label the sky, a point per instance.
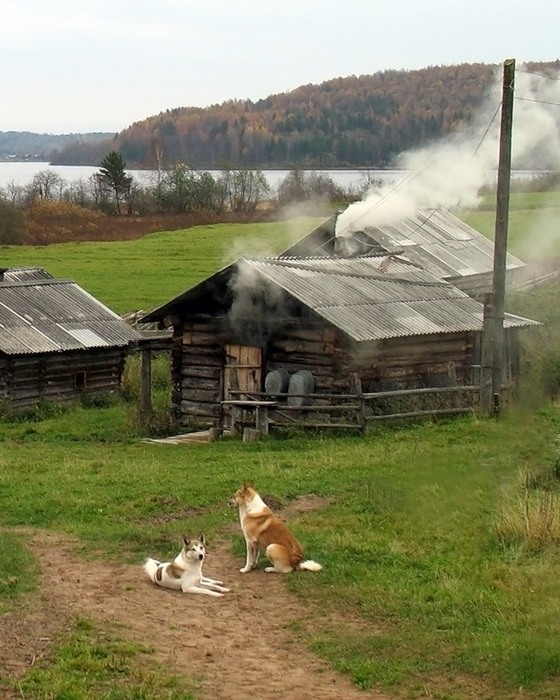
(75, 66)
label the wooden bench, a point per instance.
(260, 409)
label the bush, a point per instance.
(299, 186)
(46, 209)
(532, 521)
(11, 224)
(32, 414)
(52, 221)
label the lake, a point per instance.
(21, 174)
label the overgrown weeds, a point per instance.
(531, 519)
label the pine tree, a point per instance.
(112, 176)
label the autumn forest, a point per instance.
(345, 122)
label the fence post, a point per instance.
(146, 382)
(356, 388)
(486, 355)
(452, 374)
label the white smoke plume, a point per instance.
(450, 173)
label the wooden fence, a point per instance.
(352, 411)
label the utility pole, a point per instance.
(493, 327)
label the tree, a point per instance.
(112, 176)
(184, 190)
(11, 224)
(299, 186)
(244, 189)
(46, 185)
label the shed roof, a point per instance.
(368, 297)
(436, 239)
(40, 314)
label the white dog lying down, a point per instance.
(184, 573)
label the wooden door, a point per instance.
(242, 371)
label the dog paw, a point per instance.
(244, 570)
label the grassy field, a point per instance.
(440, 542)
(533, 223)
(420, 542)
(140, 274)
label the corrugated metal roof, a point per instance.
(440, 242)
(367, 297)
(23, 274)
(371, 298)
(39, 314)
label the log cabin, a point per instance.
(379, 318)
(57, 342)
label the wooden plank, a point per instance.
(416, 414)
(201, 395)
(193, 408)
(353, 426)
(419, 391)
(203, 350)
(199, 359)
(200, 338)
(304, 347)
(195, 372)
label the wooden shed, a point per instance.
(379, 318)
(435, 239)
(57, 342)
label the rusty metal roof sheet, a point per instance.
(40, 314)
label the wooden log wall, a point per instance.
(61, 377)
(197, 361)
(412, 361)
(3, 380)
(312, 348)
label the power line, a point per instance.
(542, 102)
(539, 75)
(485, 134)
(415, 173)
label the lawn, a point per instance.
(140, 274)
(439, 541)
(410, 542)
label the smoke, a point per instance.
(451, 172)
(256, 304)
(268, 239)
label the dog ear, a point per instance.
(186, 541)
(247, 485)
(202, 539)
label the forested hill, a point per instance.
(26, 145)
(345, 122)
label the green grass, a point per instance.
(534, 218)
(140, 274)
(429, 597)
(409, 542)
(92, 663)
(18, 569)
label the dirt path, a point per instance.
(235, 646)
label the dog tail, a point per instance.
(309, 565)
(150, 567)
